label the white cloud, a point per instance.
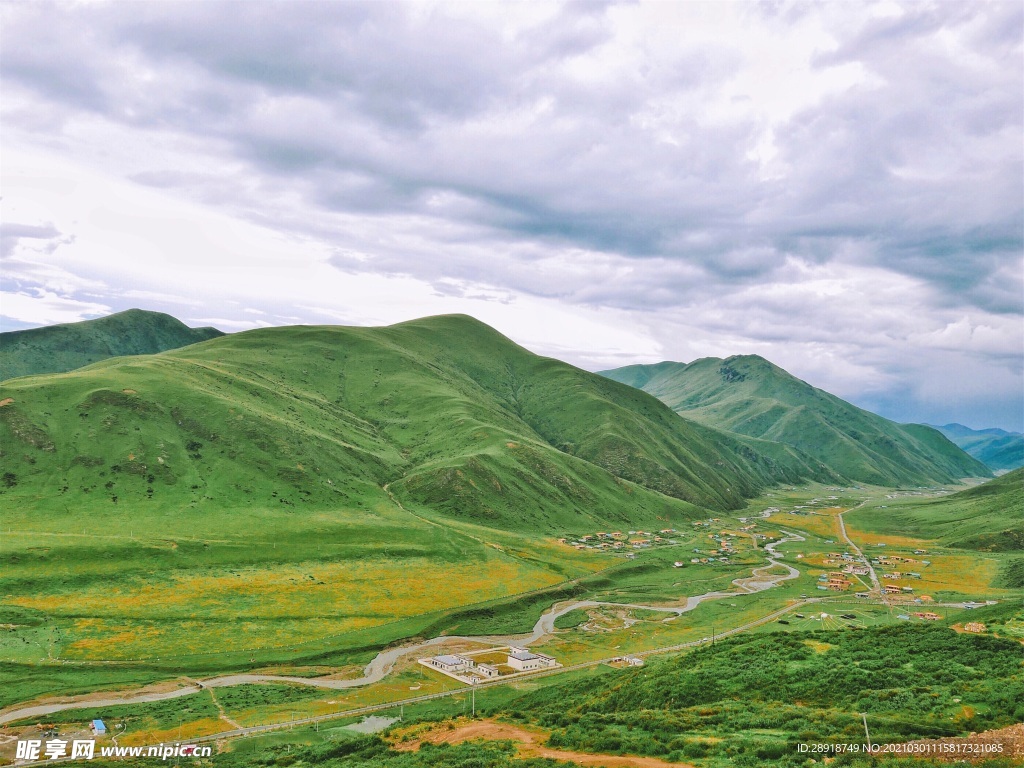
(835, 186)
(45, 308)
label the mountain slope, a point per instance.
(988, 517)
(65, 347)
(443, 414)
(995, 448)
(750, 396)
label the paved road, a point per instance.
(855, 548)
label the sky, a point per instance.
(838, 187)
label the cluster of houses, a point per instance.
(834, 582)
(725, 548)
(465, 668)
(901, 575)
(889, 559)
(896, 589)
(836, 558)
(619, 540)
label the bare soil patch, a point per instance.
(529, 744)
(1008, 742)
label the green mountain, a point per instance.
(60, 348)
(750, 396)
(997, 449)
(988, 517)
(444, 415)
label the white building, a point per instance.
(450, 663)
(526, 661)
(486, 670)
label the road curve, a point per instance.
(384, 661)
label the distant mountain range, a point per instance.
(750, 396)
(65, 347)
(998, 449)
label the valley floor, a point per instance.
(785, 554)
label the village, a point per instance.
(619, 541)
(629, 543)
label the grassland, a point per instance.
(305, 496)
(987, 517)
(295, 500)
(610, 630)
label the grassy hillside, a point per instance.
(750, 396)
(294, 484)
(995, 448)
(59, 348)
(445, 412)
(987, 517)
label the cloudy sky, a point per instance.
(838, 187)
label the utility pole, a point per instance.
(866, 734)
(474, 697)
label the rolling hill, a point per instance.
(65, 347)
(444, 414)
(293, 492)
(749, 395)
(997, 449)
(987, 517)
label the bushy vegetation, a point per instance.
(754, 698)
(131, 718)
(1012, 576)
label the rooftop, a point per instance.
(449, 659)
(523, 655)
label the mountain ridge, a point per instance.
(750, 395)
(444, 413)
(997, 449)
(68, 346)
